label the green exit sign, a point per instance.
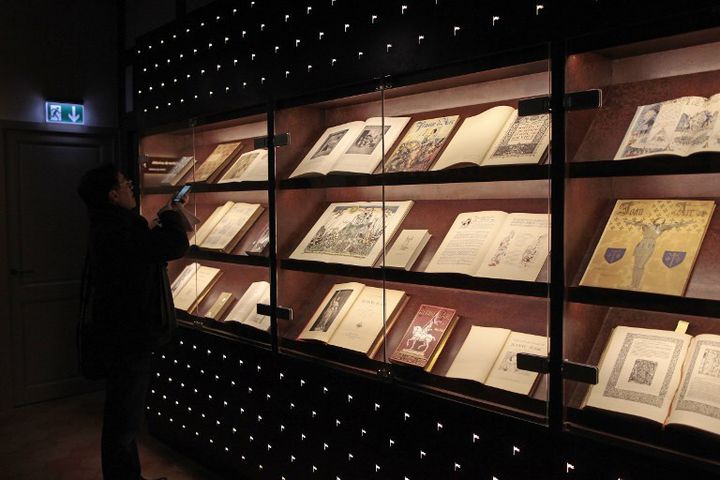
(72, 113)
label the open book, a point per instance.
(226, 226)
(250, 166)
(352, 233)
(495, 244)
(681, 127)
(489, 356)
(245, 310)
(661, 375)
(218, 159)
(180, 168)
(425, 337)
(354, 147)
(649, 245)
(192, 285)
(421, 145)
(497, 136)
(350, 316)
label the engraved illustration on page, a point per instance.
(329, 144)
(351, 231)
(642, 384)
(331, 310)
(700, 390)
(368, 140)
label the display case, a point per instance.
(641, 244)
(217, 285)
(420, 255)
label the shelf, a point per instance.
(645, 301)
(253, 260)
(446, 280)
(202, 187)
(454, 175)
(234, 330)
(708, 162)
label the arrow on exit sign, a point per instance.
(70, 113)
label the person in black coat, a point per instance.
(128, 303)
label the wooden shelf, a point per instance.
(454, 175)
(253, 260)
(233, 330)
(445, 280)
(201, 187)
(699, 163)
(645, 301)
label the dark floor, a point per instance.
(60, 440)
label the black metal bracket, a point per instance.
(280, 312)
(585, 100)
(580, 372)
(280, 140)
(533, 106)
(533, 363)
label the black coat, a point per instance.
(127, 278)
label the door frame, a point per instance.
(8, 394)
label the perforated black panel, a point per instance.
(245, 411)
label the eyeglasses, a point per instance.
(125, 182)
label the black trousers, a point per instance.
(126, 388)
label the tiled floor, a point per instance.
(60, 440)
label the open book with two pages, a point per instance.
(226, 226)
(495, 244)
(350, 316)
(497, 136)
(680, 127)
(665, 376)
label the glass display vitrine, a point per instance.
(225, 274)
(641, 238)
(420, 255)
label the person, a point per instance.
(130, 304)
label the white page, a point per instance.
(365, 151)
(331, 144)
(236, 220)
(364, 321)
(474, 138)
(519, 249)
(332, 310)
(187, 273)
(178, 171)
(478, 353)
(505, 375)
(639, 372)
(407, 248)
(697, 402)
(524, 140)
(351, 233)
(714, 140)
(196, 286)
(249, 166)
(466, 243)
(202, 233)
(259, 292)
(247, 304)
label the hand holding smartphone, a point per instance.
(181, 194)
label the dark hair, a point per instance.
(95, 185)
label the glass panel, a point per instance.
(477, 174)
(641, 236)
(443, 214)
(218, 284)
(330, 230)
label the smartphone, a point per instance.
(182, 193)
